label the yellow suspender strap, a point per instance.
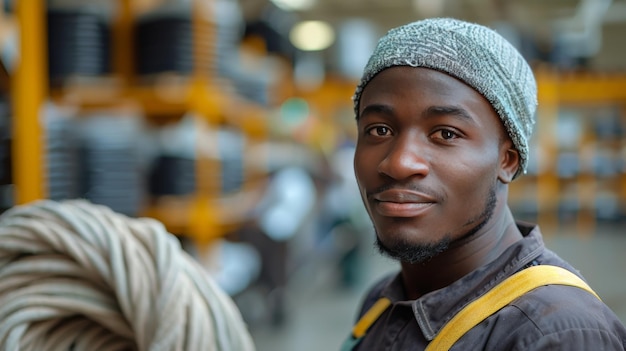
(500, 296)
(370, 317)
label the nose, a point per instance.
(406, 158)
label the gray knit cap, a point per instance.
(475, 54)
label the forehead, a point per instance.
(404, 87)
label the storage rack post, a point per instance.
(29, 89)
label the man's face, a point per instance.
(426, 160)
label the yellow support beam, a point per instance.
(29, 88)
(582, 88)
(123, 42)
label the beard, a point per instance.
(404, 251)
(408, 252)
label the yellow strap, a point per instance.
(370, 317)
(500, 296)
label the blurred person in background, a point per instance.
(444, 112)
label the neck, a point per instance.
(463, 256)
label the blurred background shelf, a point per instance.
(154, 64)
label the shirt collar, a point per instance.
(433, 310)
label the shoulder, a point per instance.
(375, 292)
(557, 316)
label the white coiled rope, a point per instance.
(77, 276)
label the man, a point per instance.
(444, 112)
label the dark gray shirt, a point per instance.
(553, 317)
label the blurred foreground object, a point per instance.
(78, 276)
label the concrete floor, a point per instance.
(321, 314)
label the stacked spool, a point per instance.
(165, 41)
(231, 144)
(112, 171)
(62, 158)
(78, 43)
(252, 84)
(172, 175)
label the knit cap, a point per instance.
(476, 55)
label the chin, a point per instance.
(402, 248)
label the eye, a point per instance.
(379, 131)
(445, 134)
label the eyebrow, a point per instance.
(454, 111)
(376, 108)
(432, 111)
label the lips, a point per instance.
(402, 203)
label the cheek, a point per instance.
(364, 171)
(474, 176)
(360, 173)
(362, 168)
(471, 172)
(480, 158)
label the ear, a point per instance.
(509, 163)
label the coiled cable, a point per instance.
(78, 276)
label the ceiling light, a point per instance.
(312, 35)
(294, 5)
(429, 8)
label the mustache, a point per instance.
(405, 187)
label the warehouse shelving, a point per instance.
(169, 97)
(548, 190)
(203, 215)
